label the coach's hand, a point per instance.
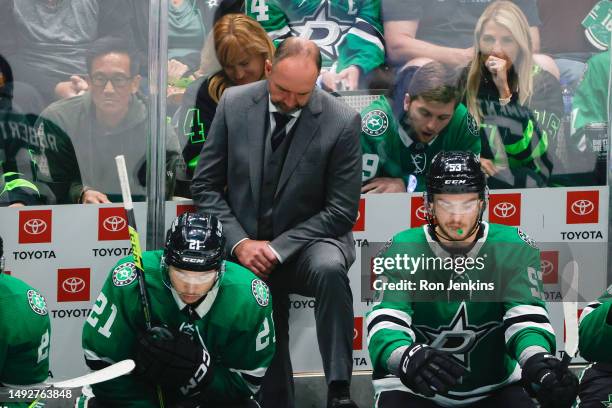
(256, 256)
(550, 381)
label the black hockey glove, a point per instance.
(549, 381)
(429, 371)
(172, 360)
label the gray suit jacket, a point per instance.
(318, 192)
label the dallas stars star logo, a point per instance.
(325, 30)
(458, 338)
(608, 403)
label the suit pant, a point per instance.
(319, 271)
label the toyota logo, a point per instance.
(355, 334)
(114, 223)
(582, 207)
(35, 226)
(504, 210)
(358, 215)
(421, 213)
(73, 284)
(546, 266)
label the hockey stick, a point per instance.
(136, 252)
(108, 373)
(569, 289)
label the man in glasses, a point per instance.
(213, 336)
(468, 316)
(111, 118)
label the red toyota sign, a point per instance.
(183, 208)
(549, 265)
(505, 209)
(582, 207)
(73, 285)
(34, 226)
(358, 334)
(418, 212)
(360, 223)
(112, 224)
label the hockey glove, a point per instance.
(429, 371)
(549, 381)
(172, 360)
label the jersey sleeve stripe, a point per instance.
(391, 313)
(368, 33)
(536, 318)
(390, 326)
(280, 34)
(517, 327)
(92, 357)
(252, 378)
(522, 310)
(587, 310)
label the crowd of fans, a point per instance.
(523, 83)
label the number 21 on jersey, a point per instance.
(96, 312)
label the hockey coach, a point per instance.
(281, 168)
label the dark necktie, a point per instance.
(279, 132)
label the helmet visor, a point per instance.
(457, 207)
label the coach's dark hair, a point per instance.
(433, 82)
(294, 46)
(108, 45)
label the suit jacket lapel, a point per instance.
(307, 127)
(256, 135)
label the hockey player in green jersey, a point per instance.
(402, 132)
(594, 344)
(24, 336)
(213, 335)
(348, 32)
(468, 350)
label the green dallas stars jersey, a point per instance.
(235, 323)
(349, 32)
(596, 329)
(389, 151)
(598, 25)
(24, 336)
(591, 102)
(486, 333)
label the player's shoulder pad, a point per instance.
(375, 118)
(124, 272)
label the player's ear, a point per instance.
(268, 68)
(136, 83)
(406, 102)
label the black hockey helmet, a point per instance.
(455, 172)
(195, 242)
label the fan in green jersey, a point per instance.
(402, 132)
(465, 348)
(24, 336)
(595, 334)
(348, 32)
(213, 335)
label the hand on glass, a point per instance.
(384, 185)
